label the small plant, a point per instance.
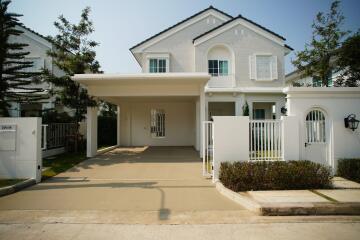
(349, 169)
(245, 109)
(281, 175)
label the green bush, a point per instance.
(349, 169)
(281, 175)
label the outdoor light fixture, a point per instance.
(351, 122)
(283, 110)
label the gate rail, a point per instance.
(265, 140)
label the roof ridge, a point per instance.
(185, 20)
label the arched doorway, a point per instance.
(316, 136)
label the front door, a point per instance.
(316, 137)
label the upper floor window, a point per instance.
(218, 67)
(263, 67)
(157, 65)
(37, 64)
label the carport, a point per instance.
(164, 109)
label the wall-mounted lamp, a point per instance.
(351, 122)
(283, 110)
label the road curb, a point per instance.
(16, 187)
(290, 209)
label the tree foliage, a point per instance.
(348, 62)
(15, 77)
(316, 59)
(73, 54)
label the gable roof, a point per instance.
(243, 18)
(179, 23)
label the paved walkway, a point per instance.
(164, 180)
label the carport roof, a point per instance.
(100, 79)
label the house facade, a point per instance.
(38, 46)
(210, 64)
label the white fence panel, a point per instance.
(208, 148)
(265, 140)
(54, 135)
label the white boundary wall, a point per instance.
(337, 104)
(25, 161)
(231, 140)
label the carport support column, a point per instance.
(202, 117)
(118, 126)
(91, 131)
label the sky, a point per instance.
(120, 24)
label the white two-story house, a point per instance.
(38, 45)
(210, 64)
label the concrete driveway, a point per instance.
(161, 179)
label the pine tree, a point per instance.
(348, 63)
(74, 54)
(316, 59)
(15, 79)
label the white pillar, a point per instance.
(118, 126)
(231, 141)
(290, 138)
(202, 117)
(197, 125)
(91, 131)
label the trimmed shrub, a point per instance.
(281, 175)
(349, 168)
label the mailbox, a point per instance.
(7, 137)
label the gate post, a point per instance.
(231, 141)
(290, 138)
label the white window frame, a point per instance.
(36, 61)
(218, 62)
(253, 67)
(158, 56)
(270, 66)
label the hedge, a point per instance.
(349, 169)
(280, 175)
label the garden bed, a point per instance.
(279, 175)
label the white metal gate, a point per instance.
(265, 140)
(208, 162)
(315, 137)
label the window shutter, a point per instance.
(252, 67)
(274, 67)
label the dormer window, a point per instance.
(218, 67)
(157, 65)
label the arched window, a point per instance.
(315, 126)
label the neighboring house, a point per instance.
(209, 64)
(296, 78)
(38, 46)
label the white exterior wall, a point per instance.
(180, 126)
(25, 161)
(37, 48)
(180, 46)
(337, 103)
(231, 141)
(242, 46)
